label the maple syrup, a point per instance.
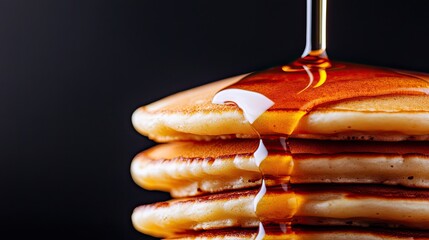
(297, 88)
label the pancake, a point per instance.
(191, 115)
(320, 182)
(193, 168)
(305, 233)
(311, 204)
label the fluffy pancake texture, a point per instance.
(191, 115)
(360, 205)
(192, 168)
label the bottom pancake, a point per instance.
(307, 233)
(361, 205)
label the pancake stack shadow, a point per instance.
(356, 169)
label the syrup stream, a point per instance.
(316, 29)
(294, 90)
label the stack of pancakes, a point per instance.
(358, 169)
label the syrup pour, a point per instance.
(295, 89)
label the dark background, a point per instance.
(72, 73)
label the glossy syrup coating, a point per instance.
(298, 90)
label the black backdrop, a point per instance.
(72, 73)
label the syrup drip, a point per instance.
(295, 90)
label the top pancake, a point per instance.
(191, 115)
